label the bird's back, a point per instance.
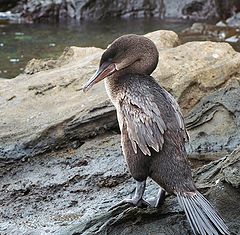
(153, 131)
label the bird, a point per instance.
(153, 133)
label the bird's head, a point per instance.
(127, 54)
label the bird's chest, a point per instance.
(115, 96)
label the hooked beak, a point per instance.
(104, 70)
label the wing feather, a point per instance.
(178, 114)
(144, 123)
(143, 117)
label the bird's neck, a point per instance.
(112, 88)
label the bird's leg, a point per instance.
(158, 201)
(137, 199)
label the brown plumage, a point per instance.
(153, 133)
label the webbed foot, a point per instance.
(159, 200)
(137, 200)
(132, 202)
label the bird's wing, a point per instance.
(144, 122)
(178, 114)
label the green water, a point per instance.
(19, 43)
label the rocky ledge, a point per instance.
(60, 156)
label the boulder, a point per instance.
(44, 106)
(194, 69)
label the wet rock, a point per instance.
(233, 21)
(5, 5)
(205, 31)
(212, 179)
(200, 9)
(8, 16)
(48, 193)
(214, 123)
(233, 39)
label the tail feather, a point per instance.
(203, 219)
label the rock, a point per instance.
(69, 192)
(50, 109)
(51, 112)
(48, 104)
(209, 31)
(195, 69)
(233, 39)
(164, 39)
(234, 21)
(214, 123)
(37, 10)
(6, 5)
(199, 9)
(8, 16)
(49, 192)
(221, 24)
(61, 165)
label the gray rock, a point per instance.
(234, 21)
(58, 177)
(37, 10)
(214, 123)
(70, 192)
(205, 31)
(10, 17)
(233, 39)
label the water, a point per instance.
(19, 43)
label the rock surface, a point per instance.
(37, 10)
(194, 69)
(61, 166)
(69, 192)
(218, 32)
(233, 21)
(48, 110)
(214, 123)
